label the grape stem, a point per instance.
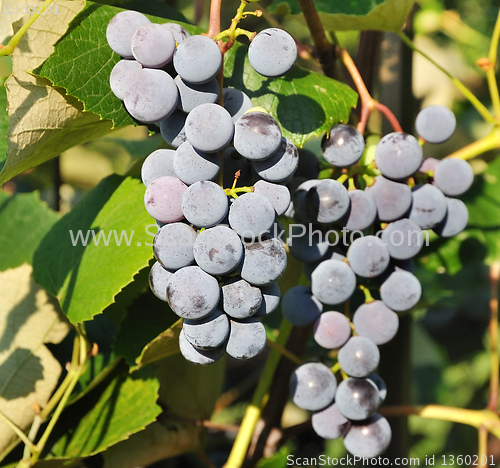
(488, 143)
(233, 192)
(367, 102)
(490, 72)
(284, 352)
(493, 334)
(366, 292)
(214, 19)
(482, 450)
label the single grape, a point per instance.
(380, 384)
(240, 300)
(307, 247)
(375, 321)
(192, 165)
(393, 199)
(150, 95)
(369, 438)
(435, 124)
(163, 199)
(209, 127)
(270, 299)
(429, 165)
(192, 293)
(158, 279)
(403, 239)
(218, 250)
(209, 332)
(263, 262)
(398, 155)
(234, 162)
(120, 75)
(180, 33)
(429, 206)
(453, 176)
(357, 399)
(332, 330)
(359, 356)
(300, 307)
(456, 219)
(343, 145)
(313, 386)
(281, 165)
(272, 52)
(204, 204)
(197, 356)
(333, 282)
(172, 128)
(197, 59)
(362, 211)
(173, 245)
(159, 163)
(153, 45)
(120, 30)
(368, 257)
(330, 423)
(401, 291)
(251, 215)
(278, 195)
(236, 102)
(247, 338)
(191, 95)
(256, 136)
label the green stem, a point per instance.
(284, 352)
(490, 73)
(336, 368)
(9, 48)
(488, 143)
(233, 192)
(259, 400)
(366, 292)
(233, 31)
(485, 113)
(18, 432)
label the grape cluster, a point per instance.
(218, 255)
(389, 202)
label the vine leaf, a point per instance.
(44, 121)
(29, 317)
(382, 15)
(103, 242)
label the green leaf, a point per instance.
(4, 123)
(24, 221)
(383, 15)
(305, 103)
(86, 278)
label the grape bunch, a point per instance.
(217, 250)
(388, 202)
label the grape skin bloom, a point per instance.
(435, 124)
(120, 30)
(343, 145)
(313, 386)
(358, 357)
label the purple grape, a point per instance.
(332, 330)
(435, 124)
(453, 176)
(403, 239)
(369, 438)
(455, 221)
(330, 423)
(393, 199)
(333, 282)
(359, 356)
(163, 199)
(313, 386)
(357, 399)
(429, 206)
(368, 257)
(401, 291)
(343, 146)
(375, 321)
(300, 307)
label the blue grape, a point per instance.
(120, 30)
(375, 321)
(236, 102)
(393, 199)
(343, 145)
(197, 59)
(330, 423)
(453, 176)
(247, 338)
(256, 136)
(180, 33)
(307, 248)
(435, 124)
(240, 300)
(218, 250)
(173, 245)
(172, 129)
(398, 155)
(192, 293)
(251, 215)
(153, 45)
(197, 356)
(357, 399)
(368, 257)
(456, 219)
(403, 239)
(281, 165)
(191, 95)
(401, 291)
(333, 282)
(313, 386)
(192, 165)
(359, 357)
(272, 52)
(204, 204)
(278, 195)
(163, 199)
(300, 307)
(209, 332)
(327, 201)
(270, 299)
(429, 206)
(362, 211)
(158, 164)
(158, 279)
(209, 127)
(120, 75)
(369, 438)
(332, 330)
(150, 95)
